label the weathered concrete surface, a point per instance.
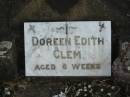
(40, 10)
(121, 66)
(14, 14)
(8, 66)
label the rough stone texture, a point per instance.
(8, 66)
(15, 12)
(121, 66)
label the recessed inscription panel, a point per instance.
(68, 48)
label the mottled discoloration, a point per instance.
(86, 50)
